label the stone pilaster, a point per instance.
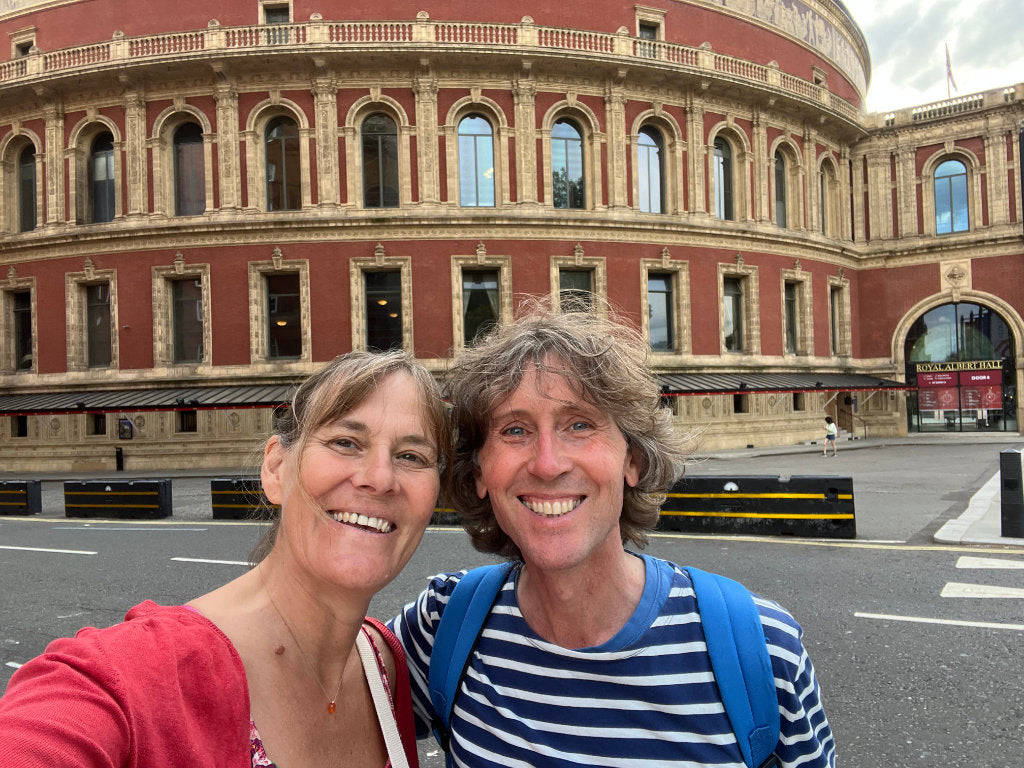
(135, 153)
(615, 117)
(56, 212)
(325, 105)
(425, 88)
(524, 92)
(226, 98)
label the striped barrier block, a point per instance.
(802, 505)
(121, 499)
(21, 497)
(239, 498)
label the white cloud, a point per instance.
(907, 40)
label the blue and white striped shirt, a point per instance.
(645, 699)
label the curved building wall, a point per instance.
(235, 201)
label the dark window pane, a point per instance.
(479, 302)
(189, 171)
(649, 171)
(661, 330)
(27, 190)
(188, 320)
(284, 191)
(567, 183)
(284, 316)
(101, 178)
(575, 288)
(383, 310)
(22, 307)
(380, 162)
(97, 299)
(780, 189)
(723, 180)
(792, 318)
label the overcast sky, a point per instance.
(907, 41)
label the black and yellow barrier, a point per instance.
(128, 499)
(239, 498)
(800, 506)
(21, 497)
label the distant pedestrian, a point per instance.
(830, 436)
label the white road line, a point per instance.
(106, 528)
(989, 562)
(956, 589)
(213, 562)
(13, 665)
(950, 622)
(44, 549)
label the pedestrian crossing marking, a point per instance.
(956, 589)
(992, 563)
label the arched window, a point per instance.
(284, 188)
(650, 171)
(101, 178)
(781, 192)
(476, 162)
(380, 162)
(723, 181)
(27, 189)
(189, 171)
(951, 213)
(567, 182)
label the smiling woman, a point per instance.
(279, 665)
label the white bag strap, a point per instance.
(385, 715)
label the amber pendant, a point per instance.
(331, 708)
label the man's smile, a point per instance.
(551, 507)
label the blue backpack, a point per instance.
(732, 629)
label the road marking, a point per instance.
(87, 527)
(988, 563)
(212, 562)
(13, 665)
(949, 622)
(44, 549)
(956, 589)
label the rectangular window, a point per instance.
(383, 310)
(21, 304)
(792, 310)
(27, 191)
(479, 302)
(740, 404)
(660, 300)
(97, 317)
(187, 298)
(188, 421)
(732, 316)
(835, 307)
(96, 424)
(277, 14)
(799, 401)
(19, 426)
(575, 290)
(284, 316)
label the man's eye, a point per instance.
(514, 431)
(579, 426)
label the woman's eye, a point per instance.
(344, 443)
(415, 459)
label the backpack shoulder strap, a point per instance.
(739, 658)
(457, 633)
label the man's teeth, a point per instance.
(552, 508)
(352, 518)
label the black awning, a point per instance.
(129, 400)
(679, 384)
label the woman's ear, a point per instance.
(272, 470)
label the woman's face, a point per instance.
(354, 508)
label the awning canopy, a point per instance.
(679, 384)
(131, 400)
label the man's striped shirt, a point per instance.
(644, 699)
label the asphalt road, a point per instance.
(915, 670)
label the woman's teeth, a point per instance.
(351, 518)
(552, 508)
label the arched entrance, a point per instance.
(961, 357)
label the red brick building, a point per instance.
(197, 212)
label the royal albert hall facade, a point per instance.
(202, 203)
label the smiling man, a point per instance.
(591, 654)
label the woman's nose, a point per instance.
(376, 472)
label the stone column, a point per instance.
(425, 88)
(615, 117)
(697, 149)
(763, 165)
(56, 211)
(325, 107)
(135, 153)
(230, 181)
(524, 93)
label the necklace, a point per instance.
(331, 700)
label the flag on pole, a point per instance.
(949, 72)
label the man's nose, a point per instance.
(549, 459)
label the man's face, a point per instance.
(554, 467)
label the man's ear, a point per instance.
(272, 470)
(633, 467)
